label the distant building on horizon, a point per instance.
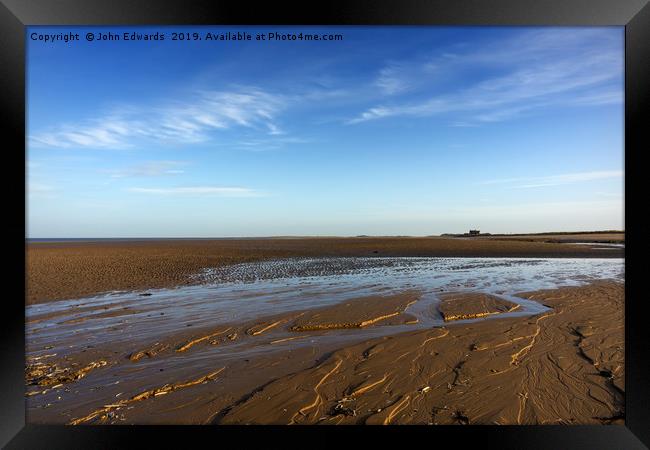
(474, 232)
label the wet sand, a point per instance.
(459, 306)
(285, 331)
(71, 270)
(564, 365)
(358, 313)
(568, 238)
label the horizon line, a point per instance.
(288, 236)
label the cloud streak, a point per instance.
(536, 70)
(148, 169)
(391, 80)
(181, 122)
(556, 180)
(215, 191)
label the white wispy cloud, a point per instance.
(189, 121)
(392, 80)
(108, 131)
(258, 145)
(148, 169)
(536, 70)
(217, 191)
(556, 180)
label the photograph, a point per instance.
(325, 225)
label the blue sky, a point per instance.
(391, 131)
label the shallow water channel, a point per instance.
(123, 321)
(246, 291)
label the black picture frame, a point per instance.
(15, 15)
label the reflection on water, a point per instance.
(247, 291)
(111, 326)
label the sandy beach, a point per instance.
(555, 368)
(284, 336)
(62, 270)
(349, 225)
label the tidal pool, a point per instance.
(109, 327)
